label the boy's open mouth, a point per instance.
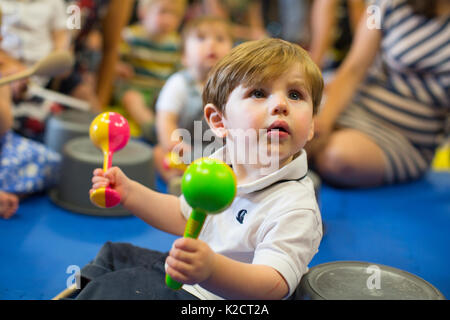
(279, 127)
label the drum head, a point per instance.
(348, 280)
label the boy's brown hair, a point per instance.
(194, 24)
(256, 62)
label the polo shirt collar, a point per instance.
(294, 170)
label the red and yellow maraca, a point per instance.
(110, 132)
(173, 161)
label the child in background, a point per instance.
(273, 87)
(150, 54)
(204, 42)
(25, 165)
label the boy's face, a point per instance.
(206, 45)
(284, 104)
(162, 17)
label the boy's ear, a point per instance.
(311, 131)
(215, 120)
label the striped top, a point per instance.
(408, 87)
(153, 62)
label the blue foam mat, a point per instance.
(405, 226)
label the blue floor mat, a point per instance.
(405, 226)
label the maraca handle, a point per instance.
(194, 224)
(107, 160)
(192, 230)
(106, 197)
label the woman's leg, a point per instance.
(351, 159)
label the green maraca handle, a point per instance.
(192, 230)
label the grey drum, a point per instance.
(352, 280)
(81, 157)
(66, 126)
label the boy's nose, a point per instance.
(279, 105)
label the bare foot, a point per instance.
(8, 204)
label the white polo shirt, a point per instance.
(273, 221)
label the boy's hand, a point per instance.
(124, 70)
(113, 178)
(190, 261)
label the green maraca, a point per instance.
(209, 187)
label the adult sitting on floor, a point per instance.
(383, 126)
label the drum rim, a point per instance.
(145, 154)
(318, 268)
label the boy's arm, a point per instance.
(192, 261)
(237, 280)
(162, 211)
(286, 246)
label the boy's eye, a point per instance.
(258, 94)
(295, 95)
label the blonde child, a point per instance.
(204, 42)
(260, 246)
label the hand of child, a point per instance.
(182, 151)
(113, 178)
(180, 148)
(190, 261)
(8, 204)
(124, 70)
